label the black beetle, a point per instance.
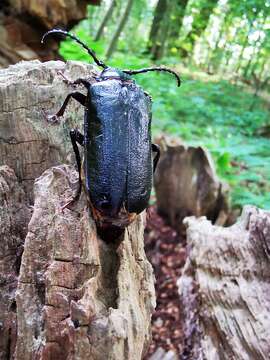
(118, 165)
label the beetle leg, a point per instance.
(76, 137)
(75, 95)
(83, 82)
(65, 79)
(156, 149)
(79, 81)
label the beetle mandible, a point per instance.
(118, 166)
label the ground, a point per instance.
(166, 251)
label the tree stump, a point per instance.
(23, 22)
(28, 92)
(70, 295)
(225, 288)
(14, 217)
(186, 184)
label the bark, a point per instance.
(23, 22)
(77, 297)
(122, 22)
(105, 20)
(29, 144)
(186, 184)
(14, 217)
(80, 298)
(199, 24)
(225, 288)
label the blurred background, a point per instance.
(220, 49)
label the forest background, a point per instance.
(221, 51)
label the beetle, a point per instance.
(118, 164)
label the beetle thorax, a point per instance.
(113, 73)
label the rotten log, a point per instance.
(186, 184)
(70, 295)
(225, 288)
(23, 22)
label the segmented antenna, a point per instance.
(90, 51)
(139, 71)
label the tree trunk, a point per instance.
(120, 27)
(256, 48)
(213, 54)
(260, 75)
(159, 29)
(69, 295)
(239, 62)
(225, 288)
(105, 20)
(177, 16)
(159, 14)
(199, 24)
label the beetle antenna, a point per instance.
(90, 51)
(139, 71)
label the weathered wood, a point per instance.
(225, 288)
(29, 91)
(14, 217)
(186, 184)
(23, 22)
(77, 296)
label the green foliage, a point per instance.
(214, 114)
(71, 50)
(217, 116)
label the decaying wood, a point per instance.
(186, 184)
(77, 296)
(14, 217)
(23, 22)
(225, 288)
(29, 91)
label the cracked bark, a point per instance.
(14, 217)
(80, 297)
(28, 144)
(225, 288)
(77, 297)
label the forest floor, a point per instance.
(166, 251)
